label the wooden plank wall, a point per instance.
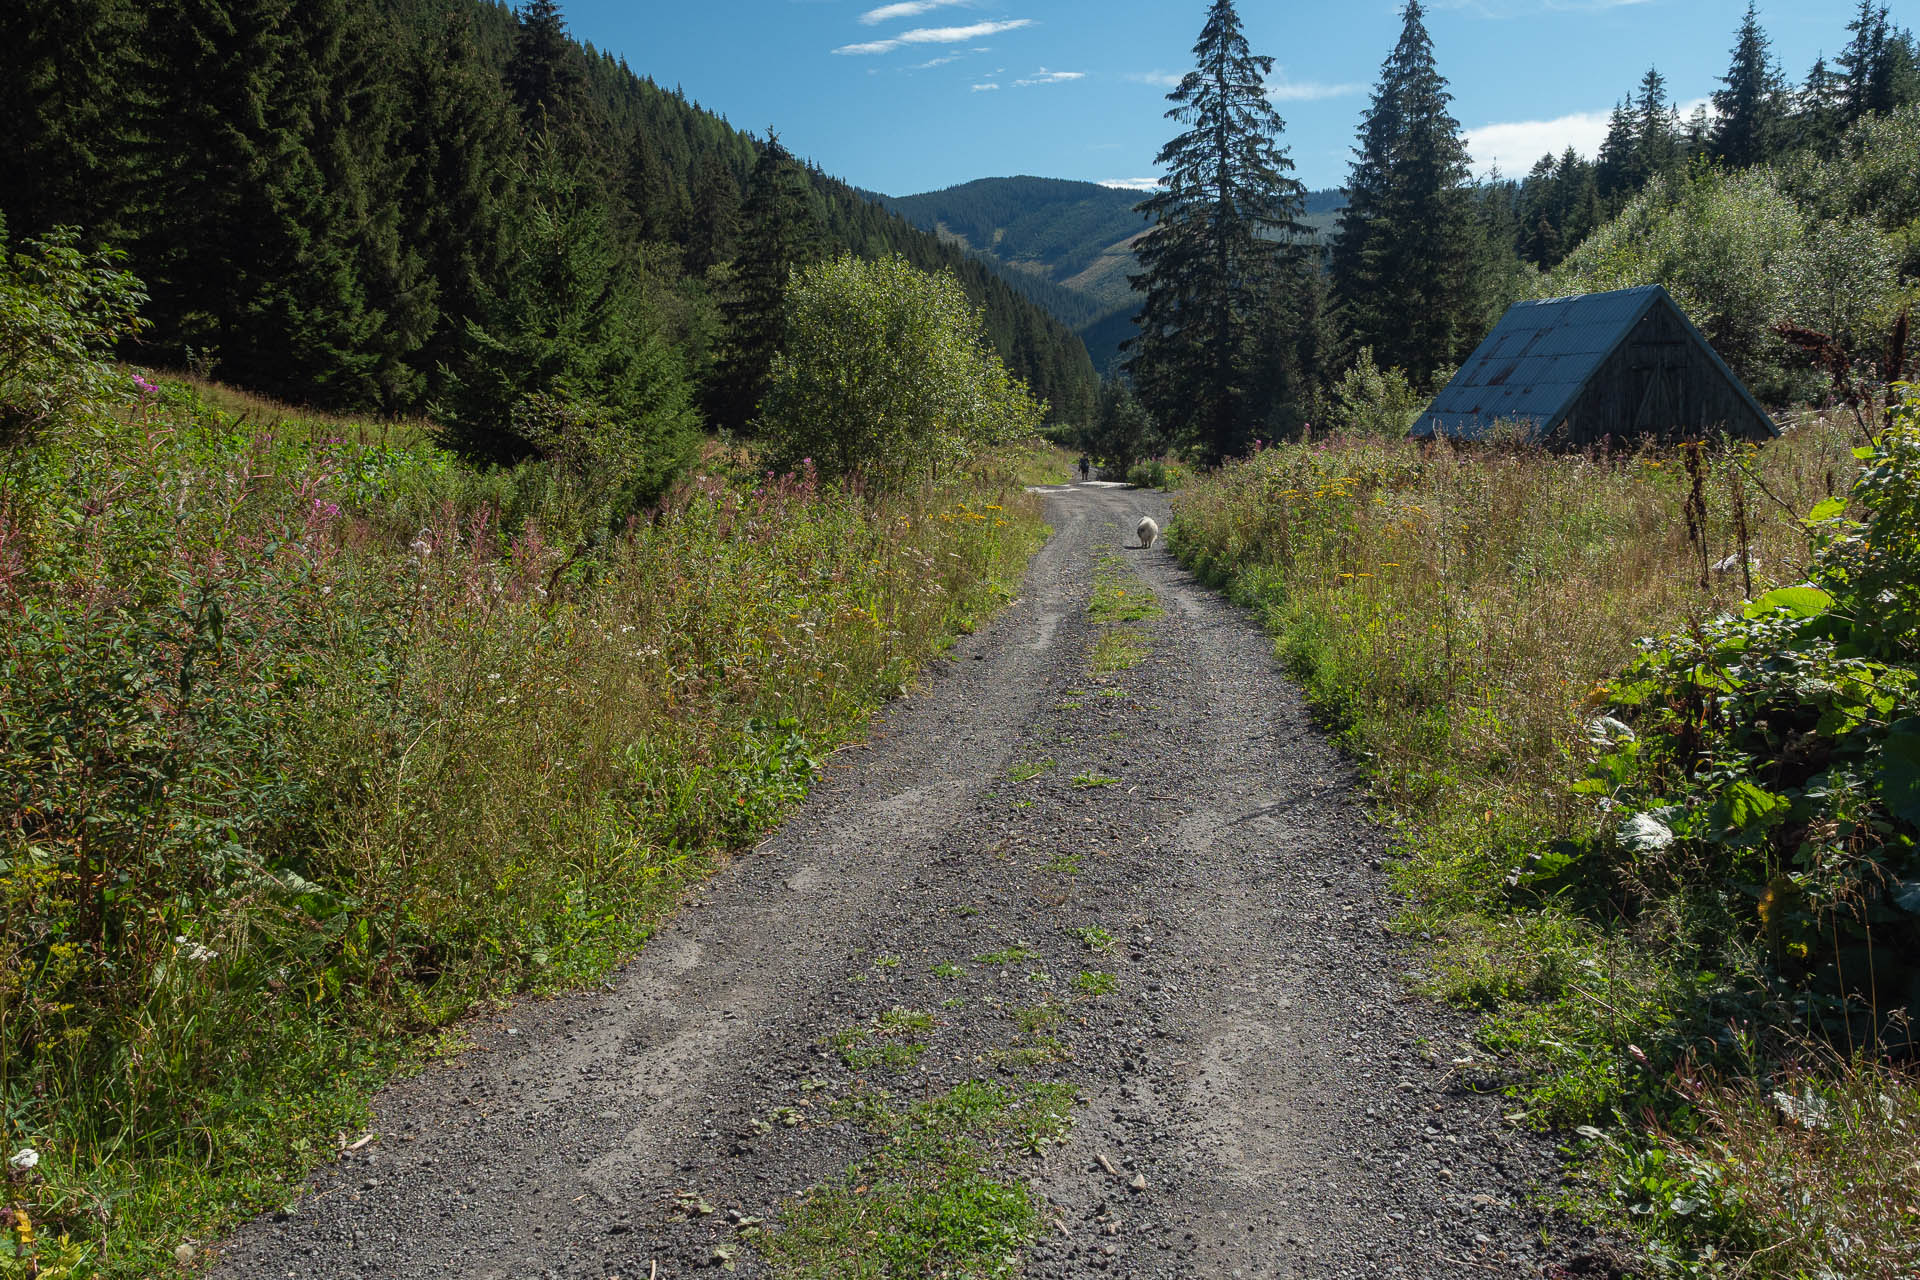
(1660, 385)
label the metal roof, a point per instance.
(1533, 366)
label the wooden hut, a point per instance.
(1583, 371)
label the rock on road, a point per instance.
(1293, 1110)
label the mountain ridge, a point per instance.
(1064, 244)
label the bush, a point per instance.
(1157, 473)
(1771, 757)
(887, 375)
(1370, 401)
(61, 312)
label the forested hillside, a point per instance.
(1066, 245)
(414, 206)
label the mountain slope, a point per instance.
(1067, 246)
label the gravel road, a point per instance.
(1260, 1095)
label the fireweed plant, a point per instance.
(312, 740)
(1660, 829)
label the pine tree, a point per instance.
(246, 259)
(1656, 127)
(1619, 171)
(545, 75)
(62, 67)
(1402, 266)
(716, 216)
(463, 134)
(1215, 260)
(1750, 109)
(779, 233)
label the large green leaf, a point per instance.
(1746, 807)
(1801, 602)
(1900, 771)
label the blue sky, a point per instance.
(914, 95)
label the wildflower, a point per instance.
(193, 951)
(24, 1160)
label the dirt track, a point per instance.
(1292, 1109)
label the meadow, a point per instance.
(321, 739)
(1658, 836)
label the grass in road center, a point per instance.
(936, 1200)
(929, 1202)
(1119, 598)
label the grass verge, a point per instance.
(319, 738)
(1459, 618)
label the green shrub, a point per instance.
(1158, 473)
(1830, 246)
(886, 374)
(1773, 755)
(61, 312)
(1370, 401)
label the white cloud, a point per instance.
(907, 9)
(1158, 79)
(1132, 184)
(1044, 76)
(1311, 91)
(1516, 146)
(931, 63)
(936, 35)
(985, 88)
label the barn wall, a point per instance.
(1660, 384)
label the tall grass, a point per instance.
(315, 738)
(1456, 616)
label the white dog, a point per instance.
(1147, 532)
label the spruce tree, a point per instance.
(779, 232)
(249, 264)
(63, 64)
(1880, 67)
(462, 132)
(1619, 171)
(1221, 248)
(1656, 127)
(570, 365)
(545, 75)
(1819, 109)
(716, 216)
(371, 304)
(1402, 266)
(1751, 114)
